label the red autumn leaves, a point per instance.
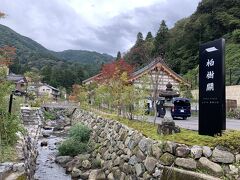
(7, 54)
(114, 70)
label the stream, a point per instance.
(46, 168)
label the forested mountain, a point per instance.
(32, 54)
(29, 53)
(179, 46)
(56, 68)
(84, 57)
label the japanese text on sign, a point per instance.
(210, 75)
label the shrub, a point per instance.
(236, 35)
(187, 94)
(70, 147)
(80, 133)
(9, 126)
(7, 153)
(48, 115)
(234, 113)
(96, 163)
(77, 142)
(229, 139)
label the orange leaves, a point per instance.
(2, 14)
(7, 54)
(74, 95)
(115, 70)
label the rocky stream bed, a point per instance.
(47, 168)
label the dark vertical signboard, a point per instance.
(212, 103)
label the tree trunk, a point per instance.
(155, 113)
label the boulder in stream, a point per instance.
(63, 160)
(44, 143)
(46, 134)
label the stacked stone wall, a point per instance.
(26, 148)
(125, 153)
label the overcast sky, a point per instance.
(105, 26)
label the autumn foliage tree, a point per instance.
(2, 14)
(73, 97)
(112, 90)
(114, 77)
(7, 54)
(114, 70)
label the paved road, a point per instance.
(192, 123)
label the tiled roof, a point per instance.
(147, 68)
(152, 65)
(51, 87)
(92, 78)
(16, 78)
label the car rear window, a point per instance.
(181, 103)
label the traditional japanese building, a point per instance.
(46, 89)
(157, 72)
(158, 76)
(19, 80)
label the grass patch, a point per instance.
(230, 139)
(48, 115)
(22, 177)
(7, 153)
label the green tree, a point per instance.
(103, 96)
(140, 54)
(83, 96)
(33, 76)
(236, 35)
(46, 72)
(149, 36)
(133, 99)
(3, 73)
(161, 39)
(139, 40)
(119, 56)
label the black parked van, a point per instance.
(182, 108)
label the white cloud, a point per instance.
(98, 25)
(99, 11)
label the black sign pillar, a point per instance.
(212, 101)
(10, 103)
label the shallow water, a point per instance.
(46, 168)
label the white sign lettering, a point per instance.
(210, 87)
(210, 75)
(210, 62)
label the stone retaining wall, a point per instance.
(26, 148)
(127, 154)
(33, 126)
